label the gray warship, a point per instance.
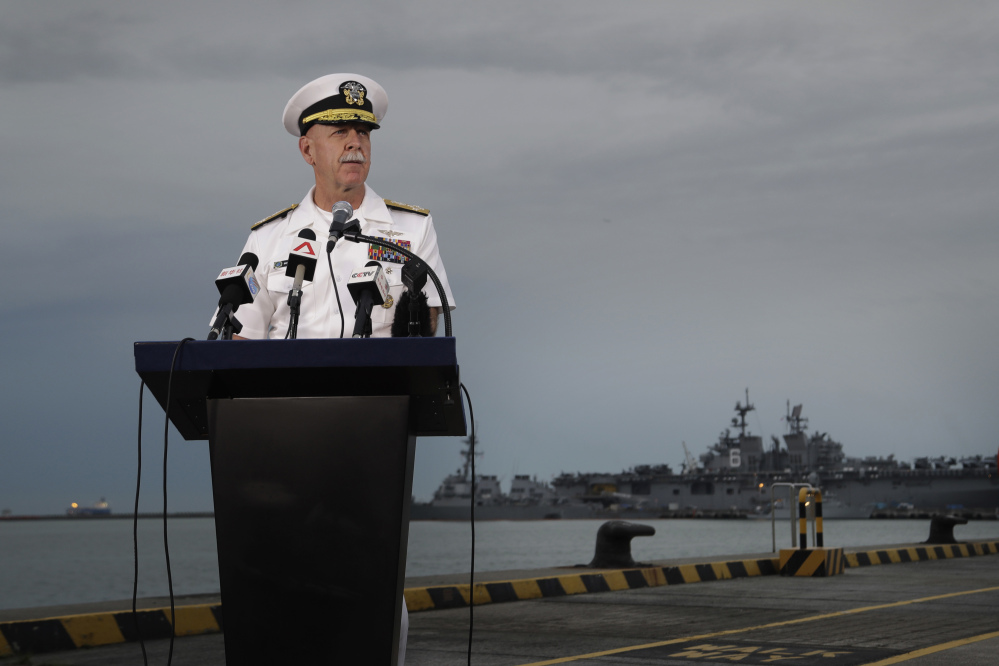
(736, 474)
(733, 478)
(528, 499)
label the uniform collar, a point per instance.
(372, 209)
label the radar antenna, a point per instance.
(690, 464)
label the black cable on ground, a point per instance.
(135, 535)
(471, 574)
(166, 545)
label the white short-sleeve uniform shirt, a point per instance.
(268, 316)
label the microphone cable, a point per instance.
(471, 571)
(135, 535)
(135, 517)
(329, 262)
(166, 545)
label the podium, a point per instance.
(312, 445)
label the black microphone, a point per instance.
(369, 288)
(414, 278)
(342, 212)
(236, 285)
(412, 316)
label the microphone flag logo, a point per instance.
(308, 249)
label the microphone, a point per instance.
(412, 316)
(236, 285)
(302, 260)
(414, 277)
(342, 212)
(301, 265)
(369, 287)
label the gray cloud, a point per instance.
(642, 212)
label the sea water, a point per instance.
(51, 562)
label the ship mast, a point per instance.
(467, 455)
(795, 421)
(740, 422)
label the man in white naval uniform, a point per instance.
(268, 315)
(333, 117)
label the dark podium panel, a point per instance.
(312, 445)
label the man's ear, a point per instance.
(305, 147)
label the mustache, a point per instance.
(354, 156)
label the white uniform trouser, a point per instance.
(403, 630)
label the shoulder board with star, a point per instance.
(276, 216)
(406, 207)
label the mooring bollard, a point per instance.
(614, 543)
(818, 560)
(942, 529)
(803, 495)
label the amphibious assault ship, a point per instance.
(732, 478)
(736, 473)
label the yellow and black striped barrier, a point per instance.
(804, 496)
(457, 596)
(868, 558)
(815, 561)
(812, 561)
(69, 632)
(94, 629)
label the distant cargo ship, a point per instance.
(100, 508)
(734, 477)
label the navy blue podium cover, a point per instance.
(425, 369)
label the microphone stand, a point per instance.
(362, 317)
(231, 326)
(414, 277)
(225, 324)
(295, 307)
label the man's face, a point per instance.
(341, 154)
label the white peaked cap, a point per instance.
(333, 99)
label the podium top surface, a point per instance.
(425, 369)
(312, 353)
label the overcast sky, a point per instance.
(643, 211)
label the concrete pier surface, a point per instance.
(935, 611)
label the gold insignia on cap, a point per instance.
(353, 92)
(334, 115)
(389, 302)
